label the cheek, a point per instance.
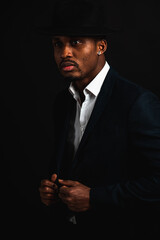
(89, 60)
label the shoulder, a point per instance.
(129, 91)
(124, 84)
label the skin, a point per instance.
(78, 61)
(83, 52)
(48, 191)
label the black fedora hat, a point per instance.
(77, 18)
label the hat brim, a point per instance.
(84, 31)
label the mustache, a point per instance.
(65, 63)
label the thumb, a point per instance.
(68, 183)
(53, 177)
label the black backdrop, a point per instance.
(30, 82)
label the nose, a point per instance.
(66, 52)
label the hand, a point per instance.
(75, 195)
(48, 190)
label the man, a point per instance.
(106, 169)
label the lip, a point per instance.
(68, 68)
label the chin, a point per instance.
(72, 78)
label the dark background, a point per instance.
(30, 82)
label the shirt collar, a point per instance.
(94, 86)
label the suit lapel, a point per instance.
(100, 105)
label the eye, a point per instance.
(76, 42)
(57, 44)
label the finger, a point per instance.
(47, 183)
(46, 190)
(64, 190)
(48, 202)
(66, 200)
(47, 196)
(68, 183)
(53, 177)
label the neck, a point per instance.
(80, 85)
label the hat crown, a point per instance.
(78, 18)
(77, 13)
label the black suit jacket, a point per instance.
(119, 154)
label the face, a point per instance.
(76, 57)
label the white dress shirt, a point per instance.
(84, 110)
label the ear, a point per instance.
(101, 46)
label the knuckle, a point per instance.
(49, 195)
(68, 200)
(71, 191)
(46, 189)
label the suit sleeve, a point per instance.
(144, 132)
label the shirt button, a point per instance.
(82, 129)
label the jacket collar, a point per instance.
(101, 104)
(94, 86)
